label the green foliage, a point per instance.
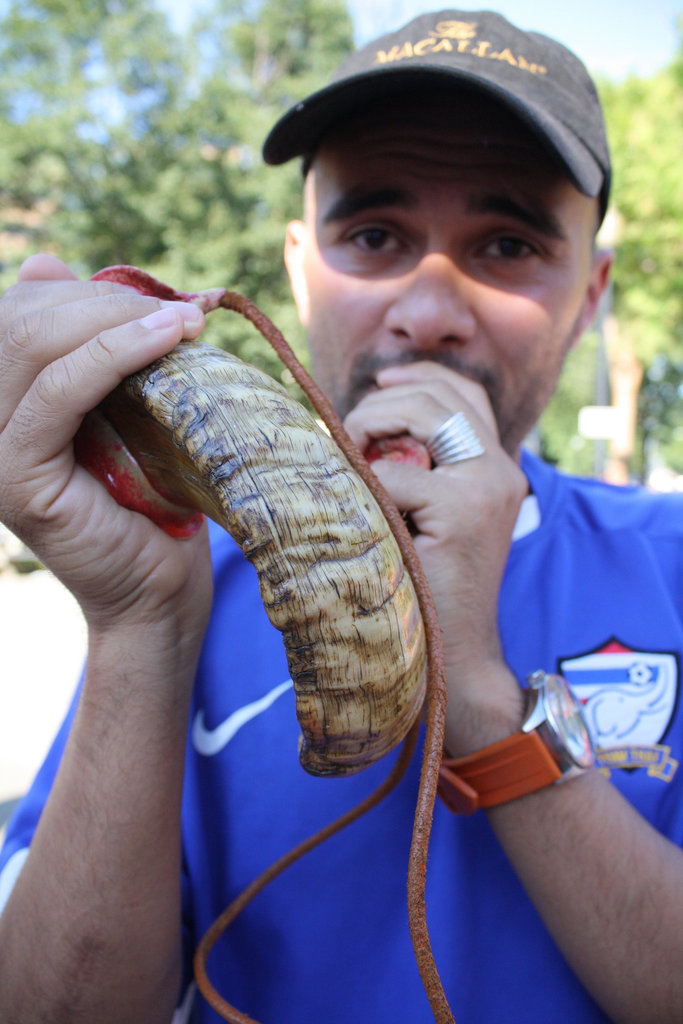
(83, 119)
(645, 127)
(123, 142)
(646, 133)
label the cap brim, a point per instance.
(300, 130)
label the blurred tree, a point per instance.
(643, 334)
(251, 62)
(83, 96)
(124, 142)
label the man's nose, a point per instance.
(432, 304)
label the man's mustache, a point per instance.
(363, 378)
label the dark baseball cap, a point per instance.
(537, 78)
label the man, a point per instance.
(456, 173)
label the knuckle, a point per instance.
(19, 342)
(48, 388)
(18, 299)
(9, 305)
(17, 337)
(18, 359)
(99, 351)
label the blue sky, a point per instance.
(612, 37)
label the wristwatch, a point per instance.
(554, 745)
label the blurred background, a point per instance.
(130, 132)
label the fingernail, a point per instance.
(165, 317)
(188, 311)
(161, 318)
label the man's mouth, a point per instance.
(364, 372)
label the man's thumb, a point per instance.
(43, 267)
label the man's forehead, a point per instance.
(512, 181)
(384, 154)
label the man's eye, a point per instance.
(510, 248)
(374, 239)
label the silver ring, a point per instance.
(454, 441)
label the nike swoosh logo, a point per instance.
(211, 741)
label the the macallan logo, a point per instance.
(455, 30)
(457, 37)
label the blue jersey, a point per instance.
(594, 592)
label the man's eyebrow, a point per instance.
(534, 216)
(357, 200)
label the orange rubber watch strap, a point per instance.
(511, 768)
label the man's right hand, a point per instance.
(64, 345)
(102, 877)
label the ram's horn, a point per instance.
(338, 571)
(216, 434)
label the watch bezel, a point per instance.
(557, 714)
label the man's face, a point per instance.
(444, 234)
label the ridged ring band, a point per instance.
(454, 441)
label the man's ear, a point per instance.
(597, 283)
(295, 251)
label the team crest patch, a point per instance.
(629, 698)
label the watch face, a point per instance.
(566, 717)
